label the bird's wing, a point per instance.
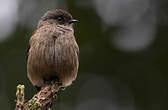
(28, 47)
(77, 50)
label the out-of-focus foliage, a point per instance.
(123, 53)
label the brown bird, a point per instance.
(53, 51)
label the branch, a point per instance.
(40, 101)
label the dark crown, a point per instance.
(53, 14)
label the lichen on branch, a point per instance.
(41, 101)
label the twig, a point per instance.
(40, 101)
(20, 97)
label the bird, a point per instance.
(53, 51)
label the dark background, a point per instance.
(123, 53)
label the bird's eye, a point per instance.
(59, 18)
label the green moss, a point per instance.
(34, 104)
(20, 95)
(49, 109)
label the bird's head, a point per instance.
(58, 17)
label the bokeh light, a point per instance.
(136, 20)
(8, 17)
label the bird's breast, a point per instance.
(57, 53)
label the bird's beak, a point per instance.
(72, 21)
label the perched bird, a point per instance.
(53, 51)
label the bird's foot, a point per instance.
(55, 85)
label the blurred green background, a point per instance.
(123, 53)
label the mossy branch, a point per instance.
(40, 101)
